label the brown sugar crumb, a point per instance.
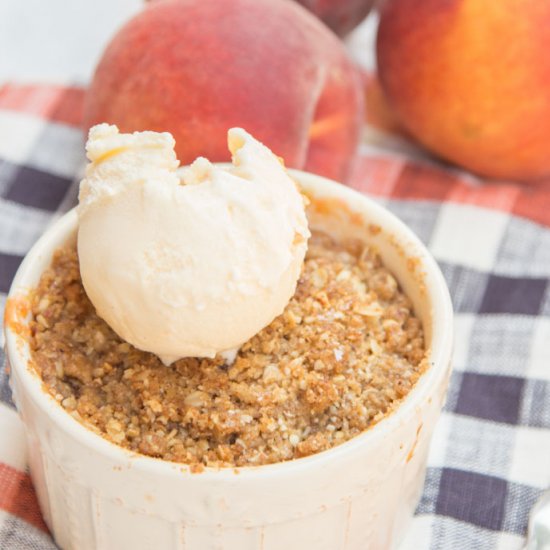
(343, 354)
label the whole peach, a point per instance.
(198, 67)
(470, 80)
(342, 16)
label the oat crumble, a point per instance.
(343, 354)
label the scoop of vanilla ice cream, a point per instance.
(188, 263)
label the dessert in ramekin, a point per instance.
(359, 494)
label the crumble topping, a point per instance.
(343, 354)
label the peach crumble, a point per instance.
(344, 353)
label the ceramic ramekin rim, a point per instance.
(439, 358)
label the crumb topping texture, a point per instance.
(343, 354)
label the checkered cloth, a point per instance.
(490, 458)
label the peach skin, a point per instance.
(342, 16)
(470, 80)
(198, 67)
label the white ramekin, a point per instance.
(359, 495)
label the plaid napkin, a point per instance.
(490, 458)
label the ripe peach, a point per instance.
(342, 16)
(470, 80)
(198, 67)
(378, 113)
